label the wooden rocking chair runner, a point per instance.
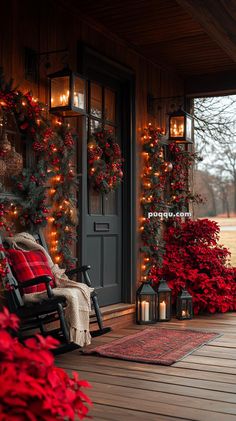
(38, 314)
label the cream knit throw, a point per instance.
(77, 294)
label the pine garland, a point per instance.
(64, 216)
(32, 188)
(165, 188)
(7, 209)
(180, 193)
(53, 148)
(153, 188)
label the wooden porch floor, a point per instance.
(200, 387)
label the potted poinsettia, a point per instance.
(32, 388)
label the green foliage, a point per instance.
(53, 148)
(31, 184)
(165, 189)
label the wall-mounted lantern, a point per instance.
(181, 127)
(67, 93)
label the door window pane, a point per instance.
(95, 202)
(110, 203)
(102, 110)
(110, 105)
(96, 100)
(94, 125)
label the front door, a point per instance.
(104, 211)
(107, 228)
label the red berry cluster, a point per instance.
(6, 223)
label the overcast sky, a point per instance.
(214, 109)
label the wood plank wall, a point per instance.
(45, 25)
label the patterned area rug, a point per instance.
(154, 345)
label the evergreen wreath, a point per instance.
(104, 162)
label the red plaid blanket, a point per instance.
(28, 265)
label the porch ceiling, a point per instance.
(193, 37)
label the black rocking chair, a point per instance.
(36, 315)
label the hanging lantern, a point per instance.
(5, 145)
(67, 93)
(184, 305)
(3, 168)
(14, 162)
(146, 304)
(164, 301)
(181, 127)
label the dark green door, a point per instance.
(103, 237)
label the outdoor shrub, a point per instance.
(31, 387)
(194, 260)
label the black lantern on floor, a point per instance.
(184, 305)
(164, 301)
(146, 304)
(67, 93)
(181, 127)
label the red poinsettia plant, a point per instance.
(32, 388)
(194, 260)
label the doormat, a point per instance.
(154, 345)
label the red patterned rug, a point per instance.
(154, 345)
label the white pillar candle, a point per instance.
(162, 310)
(184, 313)
(145, 311)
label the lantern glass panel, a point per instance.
(185, 309)
(164, 306)
(189, 128)
(79, 93)
(60, 91)
(177, 126)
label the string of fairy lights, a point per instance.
(62, 196)
(152, 200)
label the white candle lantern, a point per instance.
(146, 304)
(164, 301)
(184, 305)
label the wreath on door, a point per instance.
(104, 162)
